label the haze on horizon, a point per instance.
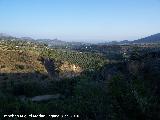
(80, 20)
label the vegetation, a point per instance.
(85, 60)
(123, 86)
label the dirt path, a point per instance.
(41, 98)
(45, 97)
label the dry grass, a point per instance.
(19, 61)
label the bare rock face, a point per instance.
(69, 70)
(63, 70)
(70, 67)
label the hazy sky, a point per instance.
(83, 20)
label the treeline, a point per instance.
(133, 87)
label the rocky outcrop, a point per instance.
(69, 70)
(62, 70)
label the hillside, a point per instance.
(19, 61)
(114, 82)
(22, 57)
(150, 39)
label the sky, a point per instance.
(80, 20)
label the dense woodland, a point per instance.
(96, 82)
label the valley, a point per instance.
(115, 82)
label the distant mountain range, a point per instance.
(146, 40)
(4, 36)
(55, 42)
(49, 42)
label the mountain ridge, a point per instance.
(152, 39)
(155, 38)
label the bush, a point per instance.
(19, 67)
